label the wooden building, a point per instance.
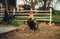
(8, 4)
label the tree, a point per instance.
(33, 3)
(57, 5)
(45, 3)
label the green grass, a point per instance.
(13, 22)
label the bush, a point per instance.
(56, 12)
(56, 18)
(10, 19)
(13, 22)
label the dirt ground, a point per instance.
(44, 32)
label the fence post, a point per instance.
(14, 11)
(50, 17)
(1, 10)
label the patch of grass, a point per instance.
(22, 26)
(13, 22)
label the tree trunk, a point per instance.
(32, 4)
(44, 6)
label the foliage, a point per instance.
(56, 12)
(58, 0)
(13, 22)
(10, 19)
(56, 18)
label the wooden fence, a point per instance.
(39, 15)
